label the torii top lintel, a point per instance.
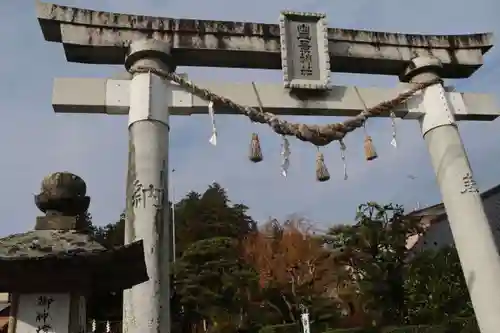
(98, 37)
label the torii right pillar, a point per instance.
(471, 230)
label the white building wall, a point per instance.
(439, 234)
(4, 300)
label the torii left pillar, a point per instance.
(146, 307)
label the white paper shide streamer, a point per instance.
(394, 141)
(343, 148)
(305, 322)
(213, 138)
(285, 155)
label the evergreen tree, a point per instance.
(437, 292)
(375, 250)
(208, 215)
(113, 234)
(213, 283)
(427, 290)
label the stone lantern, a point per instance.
(52, 271)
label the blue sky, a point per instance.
(34, 141)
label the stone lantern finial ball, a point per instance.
(63, 185)
(63, 193)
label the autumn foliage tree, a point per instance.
(295, 271)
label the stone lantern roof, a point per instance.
(59, 255)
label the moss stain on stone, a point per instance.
(130, 233)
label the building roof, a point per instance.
(437, 213)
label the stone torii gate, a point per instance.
(149, 97)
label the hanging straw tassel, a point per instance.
(322, 174)
(370, 152)
(255, 151)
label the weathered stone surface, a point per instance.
(41, 244)
(63, 194)
(59, 223)
(63, 184)
(103, 38)
(62, 261)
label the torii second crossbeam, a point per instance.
(112, 96)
